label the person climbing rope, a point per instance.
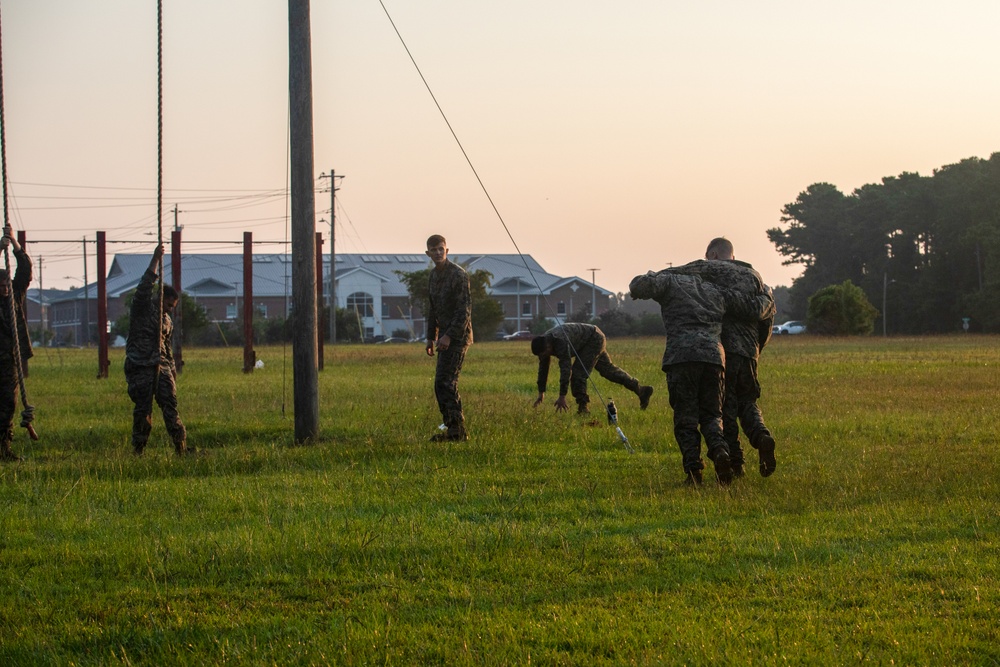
(15, 345)
(149, 360)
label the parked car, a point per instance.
(519, 335)
(394, 339)
(792, 327)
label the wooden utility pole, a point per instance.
(304, 346)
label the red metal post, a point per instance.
(22, 239)
(175, 271)
(249, 356)
(102, 305)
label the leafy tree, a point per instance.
(928, 247)
(615, 322)
(194, 319)
(841, 310)
(648, 324)
(581, 314)
(348, 326)
(540, 325)
(487, 314)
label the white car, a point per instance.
(791, 327)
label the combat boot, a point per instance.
(723, 467)
(644, 393)
(7, 454)
(693, 478)
(764, 444)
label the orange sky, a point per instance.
(619, 136)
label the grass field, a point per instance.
(541, 540)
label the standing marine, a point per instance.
(449, 333)
(580, 348)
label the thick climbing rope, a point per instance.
(159, 157)
(28, 414)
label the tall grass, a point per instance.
(540, 540)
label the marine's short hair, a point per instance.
(721, 245)
(538, 345)
(169, 292)
(435, 240)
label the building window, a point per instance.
(385, 310)
(526, 309)
(362, 303)
(262, 309)
(561, 308)
(231, 311)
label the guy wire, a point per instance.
(482, 185)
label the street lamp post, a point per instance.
(593, 293)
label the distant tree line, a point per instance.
(925, 250)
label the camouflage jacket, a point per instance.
(745, 337)
(148, 344)
(449, 304)
(19, 288)
(692, 311)
(565, 339)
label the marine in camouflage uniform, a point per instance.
(449, 329)
(12, 290)
(580, 349)
(742, 339)
(149, 361)
(694, 360)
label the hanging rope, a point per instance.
(612, 418)
(159, 173)
(28, 414)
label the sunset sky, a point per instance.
(617, 136)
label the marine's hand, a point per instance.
(430, 348)
(561, 405)
(444, 342)
(538, 401)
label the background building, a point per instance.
(369, 284)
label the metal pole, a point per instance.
(86, 298)
(304, 362)
(593, 293)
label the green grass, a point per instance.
(541, 540)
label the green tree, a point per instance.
(841, 310)
(615, 322)
(487, 314)
(194, 319)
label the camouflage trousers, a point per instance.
(449, 367)
(739, 408)
(696, 390)
(590, 356)
(146, 383)
(8, 401)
